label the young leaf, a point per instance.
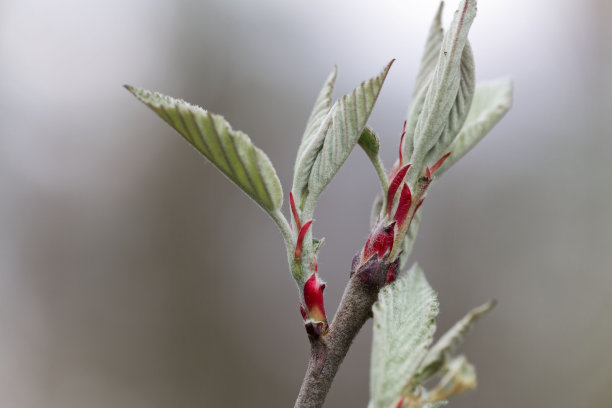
(449, 94)
(403, 328)
(491, 102)
(426, 70)
(231, 151)
(336, 138)
(369, 143)
(460, 108)
(440, 353)
(432, 50)
(319, 111)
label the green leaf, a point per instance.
(432, 51)
(319, 111)
(403, 328)
(460, 109)
(337, 136)
(491, 102)
(449, 93)
(231, 151)
(426, 70)
(440, 353)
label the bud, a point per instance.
(383, 237)
(313, 308)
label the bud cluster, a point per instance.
(384, 244)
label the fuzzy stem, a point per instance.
(329, 350)
(382, 174)
(285, 229)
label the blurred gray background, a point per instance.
(133, 274)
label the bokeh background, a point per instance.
(133, 274)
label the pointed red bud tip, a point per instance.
(400, 403)
(395, 183)
(401, 156)
(403, 207)
(394, 170)
(313, 298)
(379, 242)
(300, 240)
(392, 272)
(296, 217)
(430, 171)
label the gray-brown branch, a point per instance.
(328, 351)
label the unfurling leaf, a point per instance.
(491, 102)
(319, 112)
(403, 328)
(328, 149)
(460, 108)
(428, 65)
(432, 51)
(449, 93)
(369, 143)
(231, 151)
(440, 353)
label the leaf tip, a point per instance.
(489, 305)
(132, 89)
(388, 67)
(331, 80)
(383, 75)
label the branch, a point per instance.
(328, 351)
